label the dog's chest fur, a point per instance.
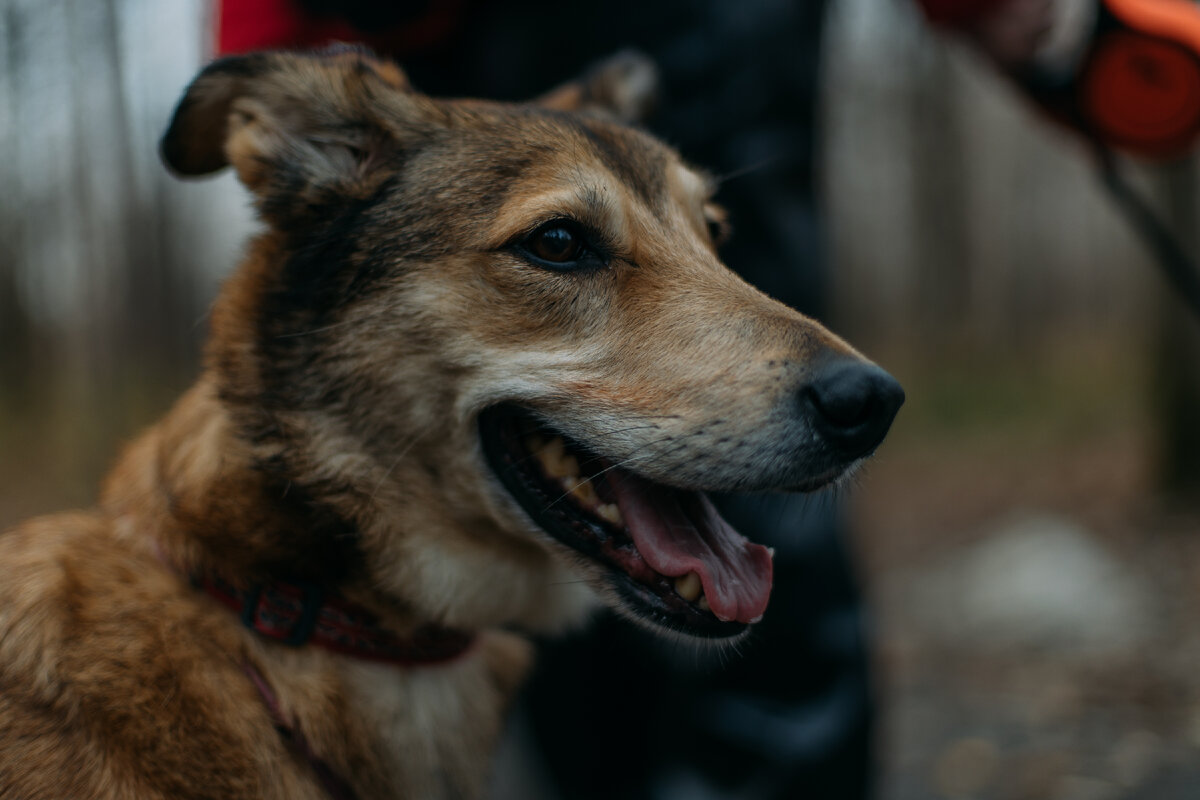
(444, 720)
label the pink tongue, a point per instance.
(680, 532)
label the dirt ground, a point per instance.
(1035, 612)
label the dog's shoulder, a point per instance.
(109, 681)
(43, 590)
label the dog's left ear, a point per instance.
(291, 124)
(624, 86)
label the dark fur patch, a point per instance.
(634, 159)
(193, 143)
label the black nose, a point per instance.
(852, 405)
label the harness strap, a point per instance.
(1179, 268)
(335, 786)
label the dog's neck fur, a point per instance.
(190, 488)
(195, 493)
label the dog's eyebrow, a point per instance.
(586, 200)
(632, 157)
(595, 199)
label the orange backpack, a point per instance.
(1140, 86)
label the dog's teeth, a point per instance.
(702, 603)
(581, 490)
(545, 451)
(567, 466)
(688, 587)
(610, 513)
(556, 461)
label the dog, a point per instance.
(478, 369)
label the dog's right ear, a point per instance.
(194, 143)
(624, 86)
(288, 122)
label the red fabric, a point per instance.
(245, 25)
(957, 13)
(1154, 110)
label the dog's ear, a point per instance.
(624, 86)
(286, 120)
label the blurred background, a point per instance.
(1029, 534)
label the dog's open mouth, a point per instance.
(669, 554)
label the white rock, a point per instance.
(1037, 581)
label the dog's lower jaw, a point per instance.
(479, 590)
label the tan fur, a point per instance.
(332, 434)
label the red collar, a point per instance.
(302, 613)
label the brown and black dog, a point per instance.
(478, 369)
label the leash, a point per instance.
(1179, 268)
(335, 786)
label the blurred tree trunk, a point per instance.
(939, 196)
(152, 302)
(14, 329)
(15, 335)
(1176, 360)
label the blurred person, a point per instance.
(1124, 77)
(1123, 74)
(615, 712)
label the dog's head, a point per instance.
(499, 339)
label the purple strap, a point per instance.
(335, 786)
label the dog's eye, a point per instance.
(562, 245)
(555, 243)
